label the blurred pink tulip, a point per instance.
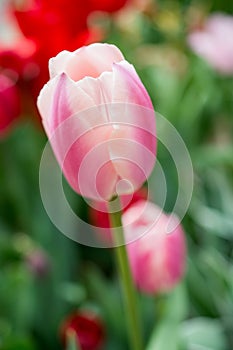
(9, 103)
(100, 121)
(157, 259)
(215, 42)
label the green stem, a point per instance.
(73, 343)
(129, 293)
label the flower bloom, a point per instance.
(42, 20)
(87, 327)
(9, 103)
(215, 42)
(100, 121)
(157, 259)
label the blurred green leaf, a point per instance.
(213, 155)
(166, 331)
(203, 333)
(18, 342)
(166, 336)
(105, 293)
(72, 293)
(199, 291)
(212, 220)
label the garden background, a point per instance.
(44, 276)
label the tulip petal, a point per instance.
(128, 87)
(99, 90)
(135, 119)
(157, 259)
(61, 98)
(58, 64)
(216, 33)
(88, 61)
(74, 136)
(44, 101)
(99, 120)
(87, 165)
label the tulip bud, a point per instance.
(9, 103)
(99, 120)
(157, 259)
(87, 327)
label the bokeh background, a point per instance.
(44, 276)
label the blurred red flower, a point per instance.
(87, 327)
(43, 28)
(106, 5)
(9, 103)
(18, 59)
(53, 28)
(61, 25)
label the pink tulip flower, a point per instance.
(157, 259)
(215, 42)
(9, 103)
(99, 120)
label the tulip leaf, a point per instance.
(165, 336)
(203, 333)
(166, 332)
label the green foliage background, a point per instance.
(198, 315)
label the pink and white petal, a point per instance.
(60, 106)
(68, 99)
(106, 85)
(80, 148)
(99, 90)
(143, 259)
(59, 63)
(88, 61)
(95, 59)
(220, 25)
(132, 152)
(44, 101)
(175, 256)
(65, 99)
(128, 87)
(202, 43)
(106, 189)
(72, 135)
(88, 165)
(134, 107)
